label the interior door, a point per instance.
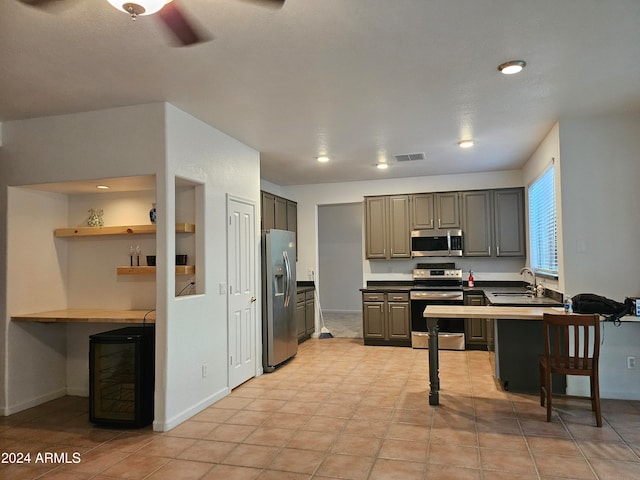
(241, 257)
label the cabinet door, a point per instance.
(476, 223)
(399, 233)
(375, 227)
(509, 222)
(300, 317)
(398, 321)
(373, 320)
(475, 329)
(281, 213)
(292, 216)
(448, 210)
(268, 209)
(422, 211)
(310, 313)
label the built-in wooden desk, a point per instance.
(88, 315)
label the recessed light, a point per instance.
(323, 159)
(382, 166)
(102, 187)
(511, 67)
(465, 143)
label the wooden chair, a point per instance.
(576, 357)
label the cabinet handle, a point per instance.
(498, 250)
(432, 223)
(439, 223)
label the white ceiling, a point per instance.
(359, 80)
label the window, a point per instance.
(543, 239)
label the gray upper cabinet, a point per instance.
(493, 223)
(508, 207)
(477, 223)
(387, 227)
(447, 210)
(435, 210)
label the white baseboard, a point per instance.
(165, 426)
(34, 402)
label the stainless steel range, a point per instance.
(436, 284)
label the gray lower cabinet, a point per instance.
(386, 318)
(475, 329)
(305, 315)
(387, 233)
(493, 223)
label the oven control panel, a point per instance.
(445, 274)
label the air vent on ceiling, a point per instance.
(409, 157)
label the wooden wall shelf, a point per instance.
(118, 230)
(180, 270)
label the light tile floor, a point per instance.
(343, 410)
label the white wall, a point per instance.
(601, 211)
(196, 327)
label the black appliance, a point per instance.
(122, 377)
(436, 284)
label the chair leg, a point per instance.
(542, 389)
(548, 392)
(595, 393)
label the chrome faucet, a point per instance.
(532, 288)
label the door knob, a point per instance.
(253, 299)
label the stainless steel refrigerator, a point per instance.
(279, 331)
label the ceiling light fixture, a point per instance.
(382, 166)
(465, 143)
(323, 159)
(511, 67)
(102, 187)
(139, 7)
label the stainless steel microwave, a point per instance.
(436, 243)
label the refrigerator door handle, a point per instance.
(287, 266)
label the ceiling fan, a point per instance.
(184, 30)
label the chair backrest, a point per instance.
(570, 341)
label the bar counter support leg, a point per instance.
(434, 379)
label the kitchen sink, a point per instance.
(512, 294)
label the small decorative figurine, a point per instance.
(95, 217)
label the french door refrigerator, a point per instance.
(279, 331)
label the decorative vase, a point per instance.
(95, 217)
(152, 213)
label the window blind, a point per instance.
(543, 238)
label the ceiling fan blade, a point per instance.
(180, 27)
(42, 3)
(268, 3)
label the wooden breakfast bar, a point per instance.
(435, 312)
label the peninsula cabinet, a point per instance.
(493, 223)
(476, 330)
(387, 232)
(435, 210)
(386, 318)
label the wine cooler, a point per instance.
(121, 377)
